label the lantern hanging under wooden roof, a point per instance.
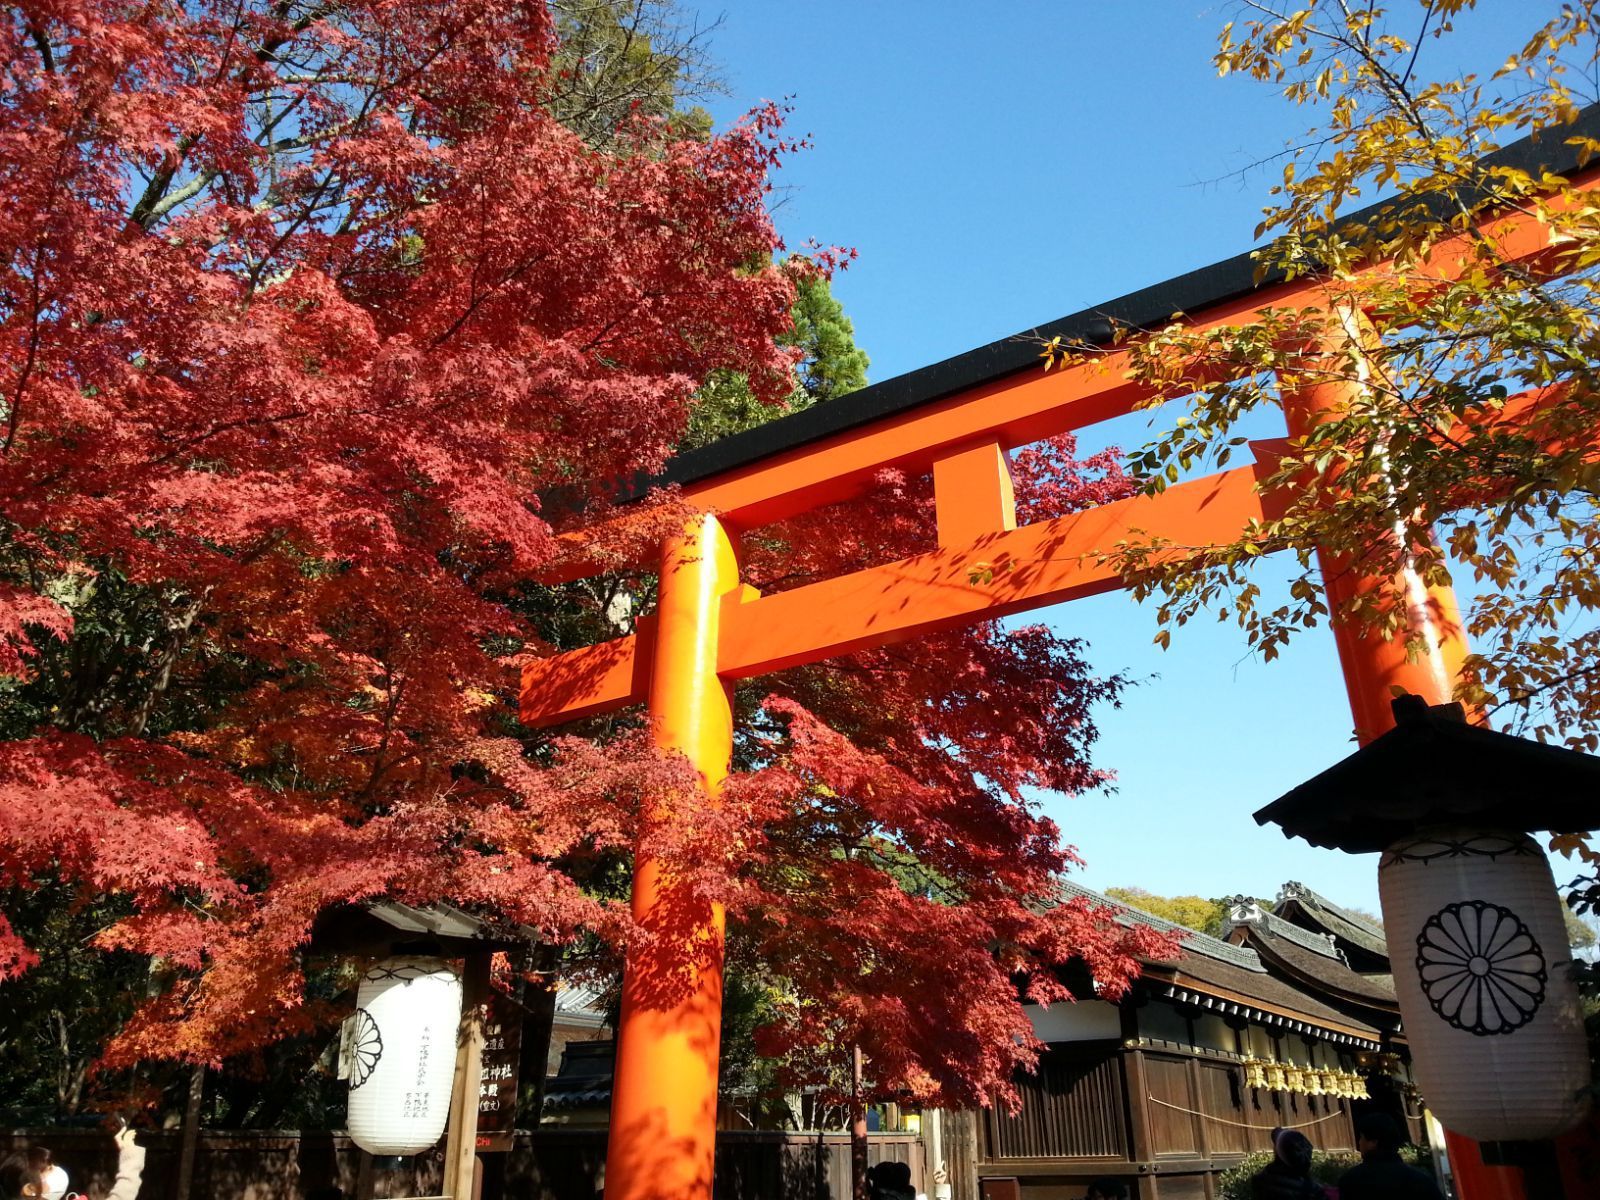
(1475, 930)
(401, 1054)
(1489, 1005)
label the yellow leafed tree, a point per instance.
(1442, 462)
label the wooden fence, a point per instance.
(549, 1164)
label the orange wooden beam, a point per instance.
(591, 680)
(973, 494)
(1017, 409)
(994, 576)
(991, 576)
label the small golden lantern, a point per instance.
(1255, 1073)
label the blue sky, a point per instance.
(1001, 165)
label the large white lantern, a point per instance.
(1478, 945)
(401, 1054)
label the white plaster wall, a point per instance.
(1087, 1020)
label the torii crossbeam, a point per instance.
(957, 420)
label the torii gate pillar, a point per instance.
(662, 1143)
(1374, 666)
(1426, 655)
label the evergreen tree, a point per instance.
(830, 365)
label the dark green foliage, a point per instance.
(107, 680)
(747, 1004)
(57, 1016)
(292, 1083)
(831, 365)
(1326, 1168)
(1583, 898)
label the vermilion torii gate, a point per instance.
(957, 420)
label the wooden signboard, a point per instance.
(497, 1081)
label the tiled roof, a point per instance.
(1233, 978)
(375, 926)
(1245, 911)
(584, 1098)
(577, 1000)
(1194, 942)
(587, 1070)
(1340, 922)
(1282, 1002)
(1316, 969)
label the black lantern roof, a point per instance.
(1433, 768)
(387, 927)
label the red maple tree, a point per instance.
(301, 305)
(904, 886)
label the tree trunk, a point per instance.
(858, 1129)
(538, 1022)
(178, 628)
(190, 1142)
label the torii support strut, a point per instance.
(955, 421)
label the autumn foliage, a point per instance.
(901, 855)
(302, 306)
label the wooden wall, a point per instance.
(548, 1164)
(1166, 1120)
(1074, 1107)
(1237, 1120)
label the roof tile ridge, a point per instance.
(1321, 943)
(1192, 939)
(1311, 898)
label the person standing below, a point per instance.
(52, 1175)
(890, 1181)
(130, 1167)
(1288, 1175)
(1381, 1175)
(18, 1179)
(1107, 1189)
(21, 1176)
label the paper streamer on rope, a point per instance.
(1478, 944)
(401, 1054)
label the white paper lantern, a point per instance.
(402, 1054)
(1478, 945)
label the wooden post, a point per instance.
(1141, 1139)
(960, 1146)
(1136, 1089)
(935, 1172)
(1202, 1127)
(973, 494)
(858, 1129)
(538, 1024)
(1377, 667)
(461, 1142)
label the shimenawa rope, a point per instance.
(1240, 1124)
